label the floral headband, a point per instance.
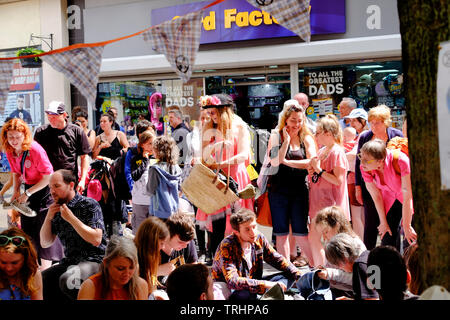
(211, 102)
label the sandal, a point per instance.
(299, 261)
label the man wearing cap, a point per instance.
(64, 142)
(345, 107)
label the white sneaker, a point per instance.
(23, 209)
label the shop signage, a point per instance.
(236, 20)
(325, 82)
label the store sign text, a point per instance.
(326, 82)
(181, 96)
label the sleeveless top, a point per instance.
(290, 180)
(12, 293)
(117, 294)
(112, 152)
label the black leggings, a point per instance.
(218, 227)
(394, 218)
(371, 219)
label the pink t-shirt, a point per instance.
(36, 164)
(323, 194)
(392, 189)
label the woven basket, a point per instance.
(206, 191)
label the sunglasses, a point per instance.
(296, 109)
(15, 240)
(364, 160)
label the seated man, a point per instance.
(239, 261)
(78, 222)
(393, 275)
(180, 249)
(345, 253)
(190, 282)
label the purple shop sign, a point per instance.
(236, 20)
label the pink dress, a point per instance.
(391, 190)
(323, 194)
(239, 173)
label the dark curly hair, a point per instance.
(166, 150)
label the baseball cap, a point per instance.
(357, 113)
(56, 107)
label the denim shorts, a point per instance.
(289, 210)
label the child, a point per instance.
(164, 178)
(139, 173)
(349, 138)
(328, 178)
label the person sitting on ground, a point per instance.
(180, 248)
(393, 276)
(150, 239)
(190, 282)
(329, 222)
(345, 253)
(412, 260)
(20, 278)
(78, 222)
(118, 278)
(239, 261)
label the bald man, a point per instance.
(303, 100)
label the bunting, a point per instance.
(291, 14)
(178, 40)
(81, 66)
(6, 74)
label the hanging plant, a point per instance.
(35, 62)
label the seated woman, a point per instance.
(329, 222)
(152, 237)
(118, 278)
(390, 190)
(20, 278)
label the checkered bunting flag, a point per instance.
(178, 40)
(291, 14)
(6, 74)
(81, 66)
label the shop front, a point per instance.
(246, 54)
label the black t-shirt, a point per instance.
(360, 288)
(189, 255)
(63, 146)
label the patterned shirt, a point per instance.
(76, 249)
(230, 265)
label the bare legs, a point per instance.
(358, 220)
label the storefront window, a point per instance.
(258, 97)
(370, 84)
(149, 100)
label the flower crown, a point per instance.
(209, 101)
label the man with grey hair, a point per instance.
(344, 251)
(179, 132)
(345, 107)
(303, 101)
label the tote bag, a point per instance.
(263, 214)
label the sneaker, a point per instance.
(23, 209)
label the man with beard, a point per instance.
(78, 222)
(238, 263)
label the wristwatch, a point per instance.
(27, 193)
(320, 173)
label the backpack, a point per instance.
(117, 170)
(397, 145)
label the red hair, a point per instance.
(19, 125)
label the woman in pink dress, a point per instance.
(328, 179)
(225, 141)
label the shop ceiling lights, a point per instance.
(386, 71)
(369, 66)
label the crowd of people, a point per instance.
(340, 200)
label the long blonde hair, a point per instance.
(289, 107)
(120, 247)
